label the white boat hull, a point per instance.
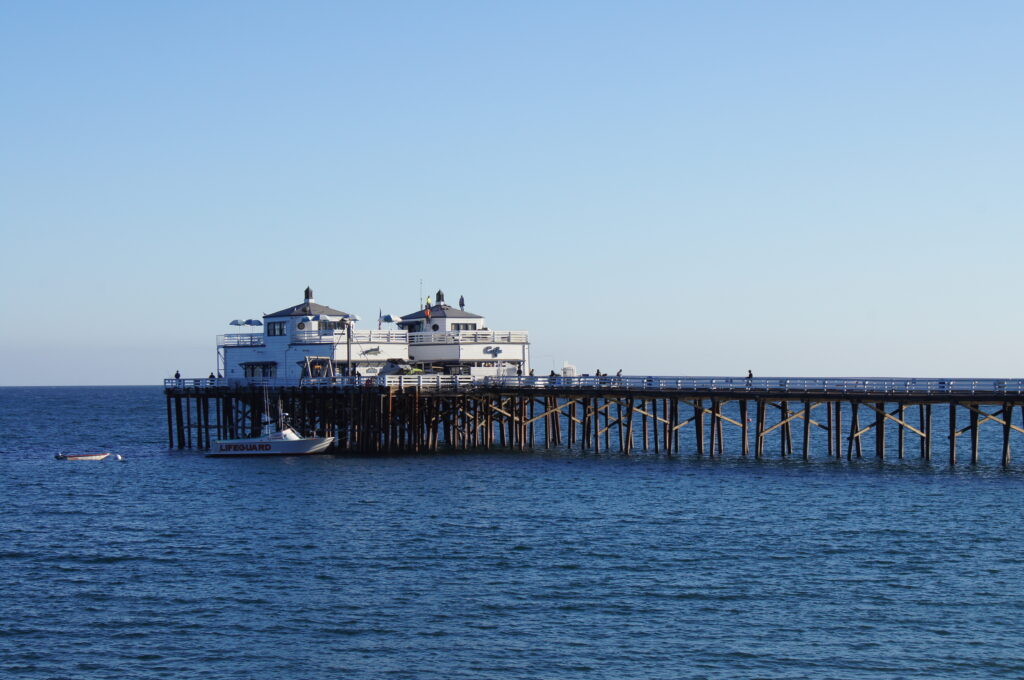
(81, 456)
(274, 447)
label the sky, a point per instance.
(671, 188)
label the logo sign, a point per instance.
(245, 447)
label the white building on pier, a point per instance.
(310, 340)
(443, 339)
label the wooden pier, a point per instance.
(781, 417)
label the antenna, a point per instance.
(420, 306)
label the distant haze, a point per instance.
(794, 188)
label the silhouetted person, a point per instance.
(177, 375)
(750, 375)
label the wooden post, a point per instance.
(928, 431)
(839, 430)
(854, 426)
(807, 429)
(783, 414)
(670, 433)
(643, 424)
(629, 426)
(828, 430)
(170, 424)
(532, 435)
(744, 427)
(572, 423)
(188, 420)
(1007, 423)
(759, 428)
(619, 423)
(720, 425)
(654, 424)
(179, 422)
(595, 423)
(974, 435)
(880, 431)
(698, 425)
(900, 431)
(675, 425)
(952, 433)
(713, 421)
(206, 422)
(218, 404)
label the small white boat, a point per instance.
(273, 441)
(81, 456)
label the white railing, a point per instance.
(830, 385)
(425, 381)
(894, 386)
(240, 340)
(380, 336)
(456, 337)
(337, 338)
(184, 383)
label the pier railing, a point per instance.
(907, 386)
(456, 337)
(338, 337)
(240, 340)
(894, 386)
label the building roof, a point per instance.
(308, 309)
(441, 311)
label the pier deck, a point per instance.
(607, 413)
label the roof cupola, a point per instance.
(309, 294)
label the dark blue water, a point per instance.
(490, 565)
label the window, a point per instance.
(260, 370)
(276, 327)
(463, 326)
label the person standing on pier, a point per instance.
(177, 375)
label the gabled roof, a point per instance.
(441, 311)
(308, 309)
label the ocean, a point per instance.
(492, 564)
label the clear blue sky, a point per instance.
(802, 188)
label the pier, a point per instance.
(759, 417)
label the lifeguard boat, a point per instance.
(273, 441)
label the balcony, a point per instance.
(467, 337)
(240, 340)
(338, 338)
